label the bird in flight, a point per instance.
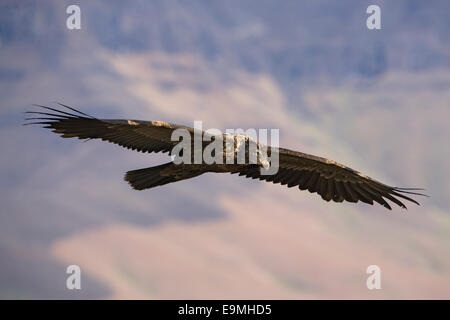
(329, 179)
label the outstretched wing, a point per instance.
(331, 180)
(144, 136)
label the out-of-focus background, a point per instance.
(375, 100)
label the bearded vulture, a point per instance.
(329, 179)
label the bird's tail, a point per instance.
(149, 177)
(163, 174)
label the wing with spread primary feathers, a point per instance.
(331, 180)
(144, 136)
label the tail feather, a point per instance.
(149, 177)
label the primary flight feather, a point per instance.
(329, 179)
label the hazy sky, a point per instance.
(375, 100)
